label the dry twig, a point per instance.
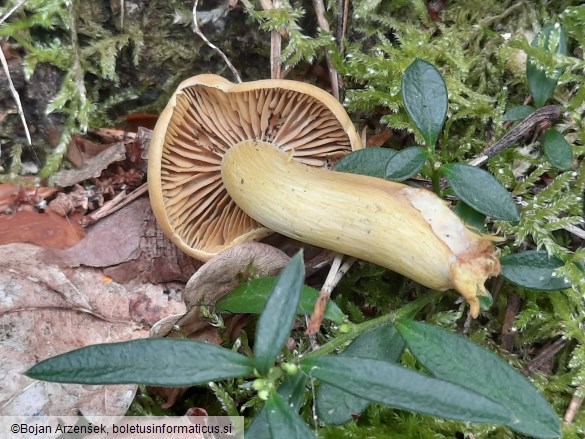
(334, 276)
(544, 115)
(211, 45)
(9, 13)
(115, 204)
(324, 24)
(574, 406)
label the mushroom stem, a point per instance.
(408, 230)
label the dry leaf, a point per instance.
(46, 229)
(46, 310)
(130, 246)
(92, 167)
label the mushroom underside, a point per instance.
(206, 122)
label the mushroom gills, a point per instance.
(408, 230)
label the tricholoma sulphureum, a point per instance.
(230, 163)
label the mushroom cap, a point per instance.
(204, 118)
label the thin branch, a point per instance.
(15, 96)
(336, 273)
(122, 11)
(544, 115)
(115, 204)
(9, 13)
(275, 45)
(211, 45)
(574, 406)
(324, 24)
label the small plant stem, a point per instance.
(324, 24)
(333, 278)
(15, 96)
(211, 45)
(436, 179)
(275, 51)
(540, 118)
(14, 8)
(406, 311)
(574, 406)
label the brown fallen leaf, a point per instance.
(82, 149)
(130, 247)
(92, 167)
(46, 310)
(46, 229)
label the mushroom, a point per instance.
(206, 117)
(262, 176)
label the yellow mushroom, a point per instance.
(274, 182)
(408, 230)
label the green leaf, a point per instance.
(155, 362)
(284, 422)
(480, 190)
(368, 161)
(403, 388)
(406, 163)
(425, 98)
(470, 216)
(534, 270)
(519, 112)
(457, 359)
(251, 297)
(540, 85)
(277, 318)
(292, 391)
(334, 406)
(557, 149)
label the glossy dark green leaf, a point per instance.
(519, 112)
(283, 422)
(480, 190)
(470, 216)
(406, 163)
(156, 362)
(425, 98)
(457, 359)
(557, 149)
(368, 161)
(276, 320)
(292, 391)
(251, 297)
(540, 85)
(486, 302)
(534, 270)
(334, 406)
(403, 388)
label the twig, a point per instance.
(115, 204)
(512, 309)
(15, 95)
(324, 24)
(275, 47)
(574, 406)
(544, 115)
(544, 356)
(122, 11)
(333, 278)
(211, 45)
(9, 13)
(571, 229)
